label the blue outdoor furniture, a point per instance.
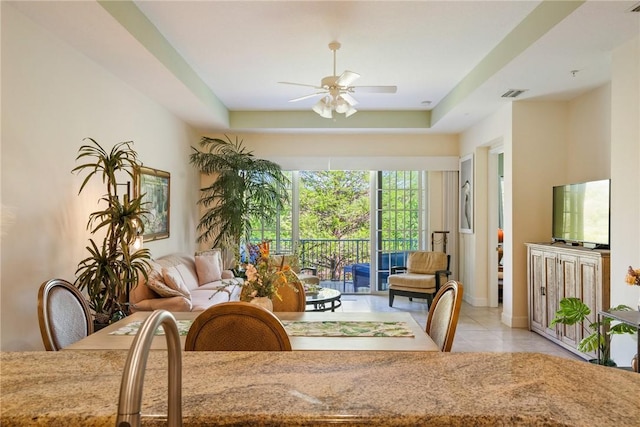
(361, 272)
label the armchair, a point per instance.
(422, 277)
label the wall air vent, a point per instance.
(513, 93)
(635, 8)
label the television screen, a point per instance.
(581, 213)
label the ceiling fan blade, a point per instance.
(347, 78)
(300, 84)
(350, 99)
(306, 96)
(375, 89)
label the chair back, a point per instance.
(237, 326)
(427, 262)
(443, 314)
(293, 298)
(63, 314)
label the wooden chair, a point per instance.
(237, 326)
(443, 314)
(63, 314)
(293, 298)
(421, 277)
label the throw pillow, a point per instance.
(174, 280)
(188, 276)
(157, 284)
(209, 268)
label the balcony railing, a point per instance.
(330, 257)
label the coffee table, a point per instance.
(326, 299)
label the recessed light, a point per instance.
(426, 102)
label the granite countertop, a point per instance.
(74, 388)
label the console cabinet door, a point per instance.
(569, 286)
(542, 290)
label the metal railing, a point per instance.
(330, 256)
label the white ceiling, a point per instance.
(240, 50)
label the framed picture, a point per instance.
(466, 194)
(154, 185)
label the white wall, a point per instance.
(495, 130)
(625, 184)
(52, 97)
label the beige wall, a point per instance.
(625, 184)
(52, 97)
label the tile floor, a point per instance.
(479, 328)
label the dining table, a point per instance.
(393, 331)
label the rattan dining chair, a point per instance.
(293, 298)
(63, 314)
(443, 314)
(237, 326)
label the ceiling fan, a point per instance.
(336, 91)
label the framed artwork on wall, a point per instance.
(466, 194)
(155, 187)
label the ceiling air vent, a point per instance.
(635, 8)
(513, 93)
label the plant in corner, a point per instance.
(114, 265)
(573, 310)
(245, 188)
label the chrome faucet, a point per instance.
(130, 402)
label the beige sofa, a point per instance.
(185, 290)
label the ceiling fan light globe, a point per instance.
(341, 106)
(350, 112)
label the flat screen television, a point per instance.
(581, 213)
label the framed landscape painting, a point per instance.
(466, 194)
(154, 185)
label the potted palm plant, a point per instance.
(245, 188)
(113, 266)
(574, 310)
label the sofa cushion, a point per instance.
(188, 276)
(209, 268)
(156, 282)
(174, 280)
(169, 303)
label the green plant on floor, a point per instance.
(112, 267)
(245, 188)
(573, 310)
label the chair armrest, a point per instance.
(398, 269)
(438, 274)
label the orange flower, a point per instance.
(633, 277)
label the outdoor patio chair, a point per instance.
(293, 298)
(63, 314)
(421, 277)
(237, 326)
(443, 314)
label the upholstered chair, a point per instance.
(63, 314)
(443, 314)
(422, 276)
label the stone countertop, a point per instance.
(80, 388)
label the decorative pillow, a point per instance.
(188, 276)
(174, 280)
(209, 268)
(157, 284)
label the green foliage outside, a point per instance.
(334, 205)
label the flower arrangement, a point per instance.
(263, 275)
(633, 277)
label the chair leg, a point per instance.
(391, 295)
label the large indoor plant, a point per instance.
(573, 310)
(244, 188)
(113, 266)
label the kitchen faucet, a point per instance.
(130, 401)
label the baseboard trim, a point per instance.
(515, 322)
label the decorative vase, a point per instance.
(264, 302)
